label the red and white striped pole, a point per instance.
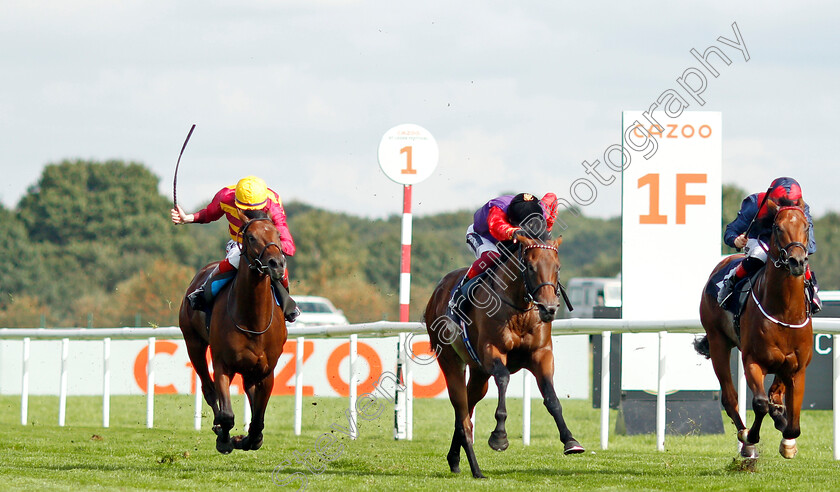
(405, 257)
(407, 155)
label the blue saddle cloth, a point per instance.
(735, 303)
(453, 315)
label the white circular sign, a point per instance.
(408, 154)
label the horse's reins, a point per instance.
(783, 260)
(257, 265)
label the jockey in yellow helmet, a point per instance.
(250, 193)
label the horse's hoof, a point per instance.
(573, 447)
(742, 435)
(478, 474)
(239, 442)
(498, 442)
(256, 443)
(749, 451)
(224, 447)
(788, 449)
(777, 413)
(454, 462)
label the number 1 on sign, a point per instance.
(408, 169)
(654, 217)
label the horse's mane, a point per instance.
(768, 219)
(536, 228)
(256, 214)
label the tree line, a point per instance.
(91, 244)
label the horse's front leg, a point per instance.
(755, 375)
(778, 412)
(258, 395)
(224, 420)
(793, 401)
(542, 367)
(498, 438)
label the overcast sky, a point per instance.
(517, 94)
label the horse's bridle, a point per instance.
(256, 264)
(530, 292)
(784, 251)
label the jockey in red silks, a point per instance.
(250, 193)
(750, 232)
(496, 222)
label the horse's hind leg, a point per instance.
(197, 351)
(224, 420)
(793, 400)
(542, 367)
(498, 438)
(258, 395)
(777, 404)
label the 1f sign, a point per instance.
(670, 226)
(683, 199)
(671, 212)
(408, 154)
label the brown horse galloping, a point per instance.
(246, 336)
(510, 328)
(776, 334)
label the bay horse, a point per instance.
(776, 335)
(509, 323)
(246, 334)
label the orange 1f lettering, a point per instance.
(683, 199)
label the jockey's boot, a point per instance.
(201, 299)
(747, 267)
(281, 290)
(460, 301)
(456, 304)
(726, 288)
(812, 290)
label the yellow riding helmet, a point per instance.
(251, 193)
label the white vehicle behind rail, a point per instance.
(587, 292)
(318, 311)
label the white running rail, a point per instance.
(604, 327)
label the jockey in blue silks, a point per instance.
(750, 232)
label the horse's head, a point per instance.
(789, 240)
(261, 244)
(541, 268)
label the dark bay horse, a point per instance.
(776, 334)
(247, 333)
(510, 329)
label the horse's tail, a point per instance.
(701, 345)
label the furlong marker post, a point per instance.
(407, 155)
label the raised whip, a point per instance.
(175, 180)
